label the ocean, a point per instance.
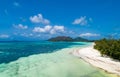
(45, 59)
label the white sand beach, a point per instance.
(92, 56)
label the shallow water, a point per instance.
(45, 59)
(24, 49)
(59, 63)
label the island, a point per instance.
(69, 39)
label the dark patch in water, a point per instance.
(11, 51)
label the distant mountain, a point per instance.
(61, 38)
(68, 39)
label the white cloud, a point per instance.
(89, 35)
(57, 28)
(16, 4)
(4, 36)
(49, 29)
(82, 21)
(42, 30)
(20, 26)
(39, 19)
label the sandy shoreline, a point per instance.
(92, 56)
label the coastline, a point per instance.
(56, 64)
(92, 56)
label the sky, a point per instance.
(43, 19)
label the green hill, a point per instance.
(68, 39)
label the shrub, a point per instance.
(109, 47)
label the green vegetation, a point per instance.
(108, 47)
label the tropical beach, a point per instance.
(59, 38)
(58, 63)
(92, 56)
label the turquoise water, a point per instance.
(45, 59)
(24, 49)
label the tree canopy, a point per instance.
(109, 47)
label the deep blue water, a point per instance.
(11, 51)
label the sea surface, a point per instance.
(45, 59)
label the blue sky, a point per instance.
(42, 19)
